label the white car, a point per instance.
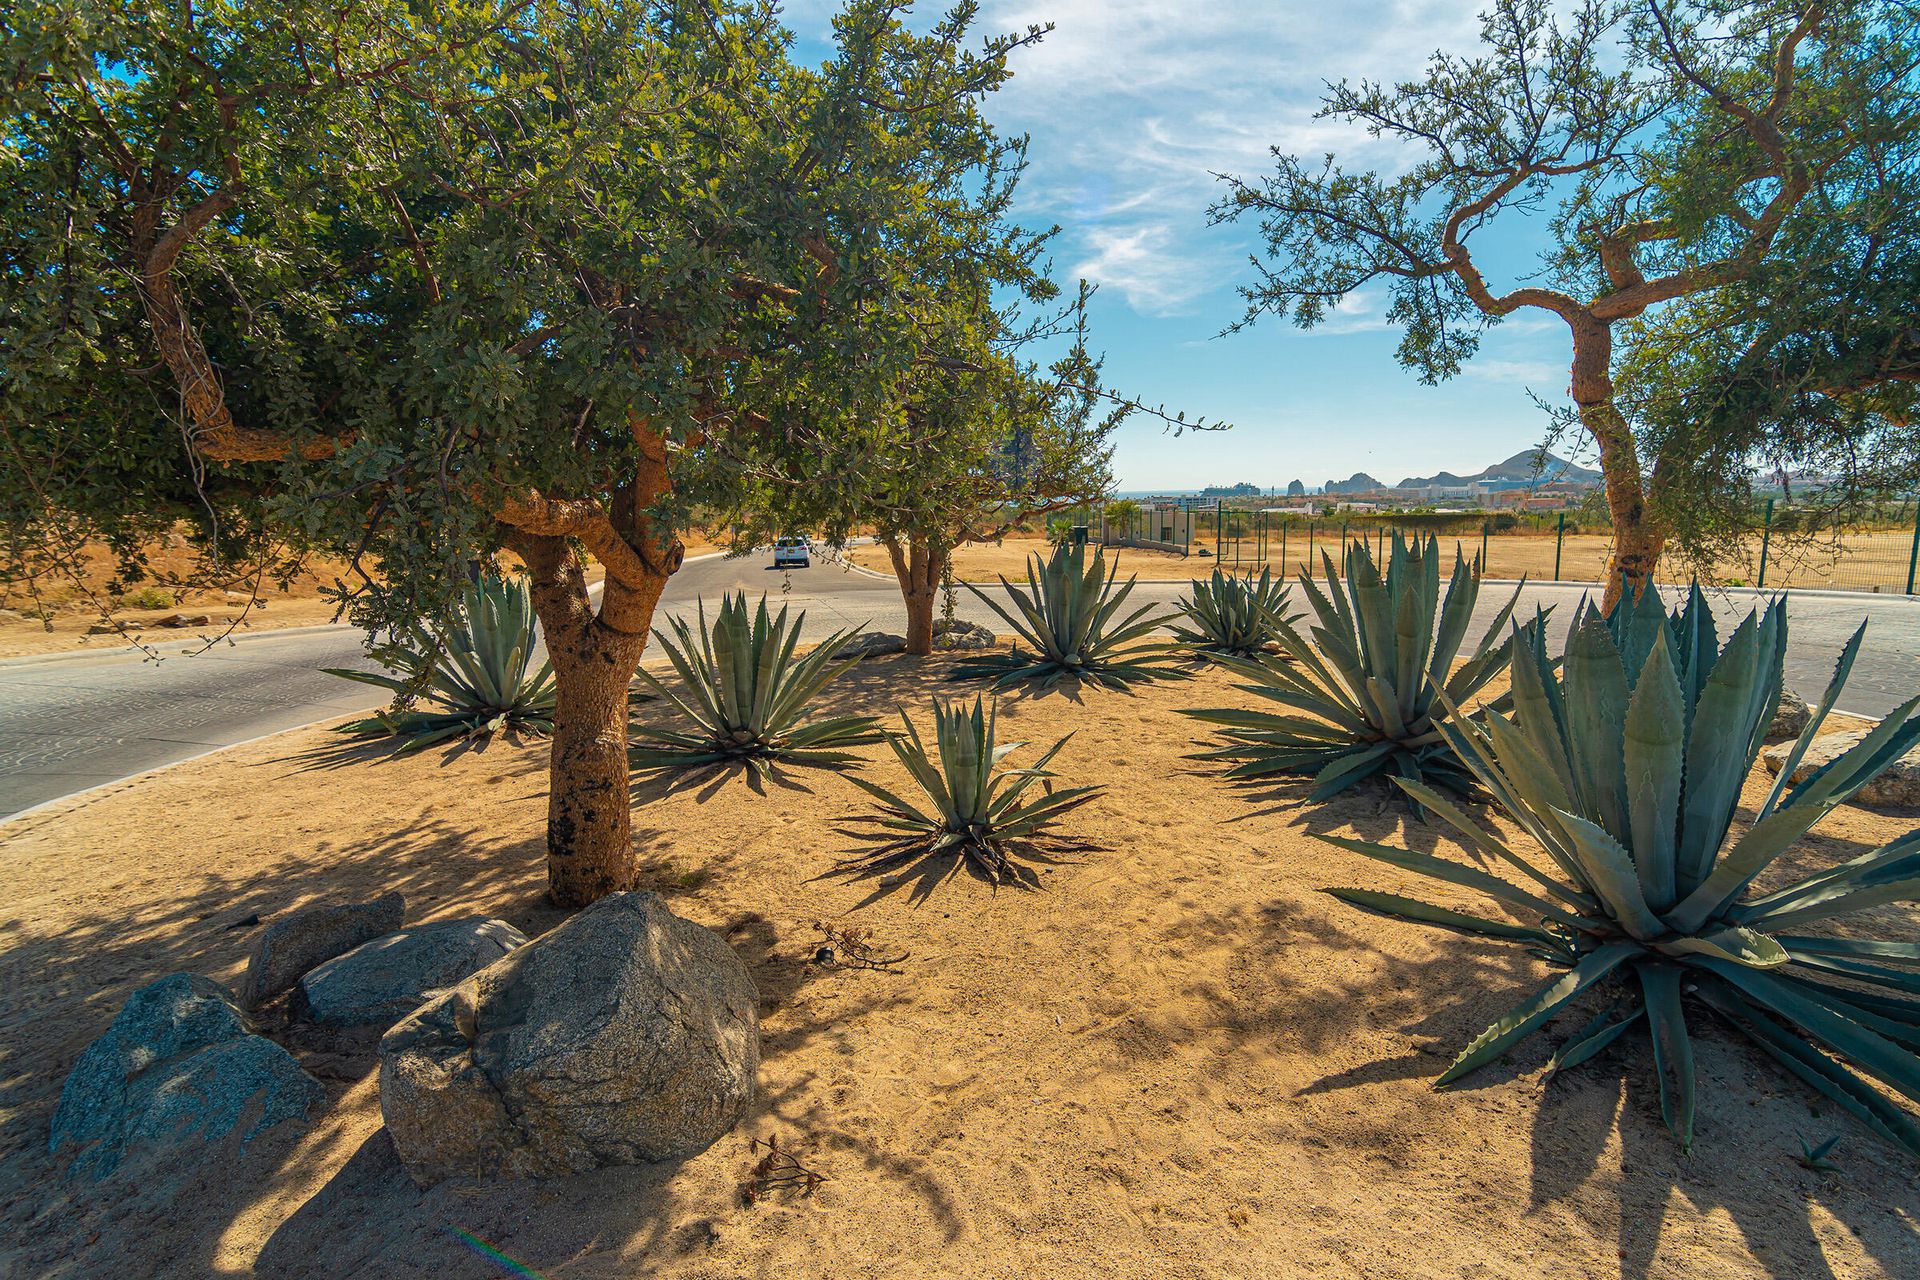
(792, 551)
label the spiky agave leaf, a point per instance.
(1233, 613)
(473, 670)
(974, 812)
(1365, 696)
(1067, 615)
(747, 695)
(1625, 767)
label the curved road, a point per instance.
(74, 721)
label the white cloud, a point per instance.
(1362, 311)
(1145, 264)
(1537, 375)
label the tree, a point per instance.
(1673, 140)
(1812, 362)
(414, 284)
(986, 449)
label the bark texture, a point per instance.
(919, 568)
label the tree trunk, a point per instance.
(594, 655)
(918, 569)
(1637, 539)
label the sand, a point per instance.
(1864, 561)
(1179, 1059)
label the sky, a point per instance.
(1132, 106)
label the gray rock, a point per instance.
(293, 944)
(625, 1035)
(178, 1065)
(871, 644)
(1898, 784)
(960, 634)
(1791, 719)
(382, 981)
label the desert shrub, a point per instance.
(1625, 769)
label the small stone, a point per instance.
(960, 634)
(625, 1035)
(1791, 719)
(1898, 785)
(295, 943)
(178, 620)
(178, 1065)
(871, 644)
(383, 980)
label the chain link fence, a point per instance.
(1882, 556)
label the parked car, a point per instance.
(792, 551)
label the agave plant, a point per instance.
(746, 694)
(1067, 615)
(1233, 614)
(1372, 681)
(475, 670)
(1626, 770)
(974, 812)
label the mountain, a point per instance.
(1359, 482)
(1518, 467)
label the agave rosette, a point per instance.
(475, 670)
(1233, 614)
(974, 812)
(1626, 770)
(1375, 680)
(1069, 615)
(746, 694)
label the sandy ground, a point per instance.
(1179, 1059)
(1865, 561)
(989, 561)
(67, 617)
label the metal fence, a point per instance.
(1549, 546)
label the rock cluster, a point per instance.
(625, 1035)
(178, 1067)
(1898, 784)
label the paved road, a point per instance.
(80, 721)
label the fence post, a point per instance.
(1766, 537)
(1483, 547)
(1913, 557)
(1283, 547)
(1559, 538)
(1219, 528)
(1309, 544)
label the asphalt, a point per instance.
(72, 722)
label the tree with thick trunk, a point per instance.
(1674, 138)
(593, 292)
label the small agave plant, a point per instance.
(975, 813)
(747, 695)
(1233, 614)
(1625, 769)
(475, 670)
(1066, 615)
(1372, 682)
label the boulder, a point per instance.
(293, 944)
(177, 1066)
(1898, 784)
(383, 980)
(1791, 719)
(871, 644)
(625, 1035)
(960, 634)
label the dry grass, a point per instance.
(1178, 1060)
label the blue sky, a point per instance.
(1131, 106)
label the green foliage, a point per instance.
(1234, 614)
(1067, 615)
(975, 813)
(1374, 678)
(747, 695)
(476, 667)
(1625, 768)
(148, 598)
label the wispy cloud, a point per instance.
(1362, 311)
(1538, 375)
